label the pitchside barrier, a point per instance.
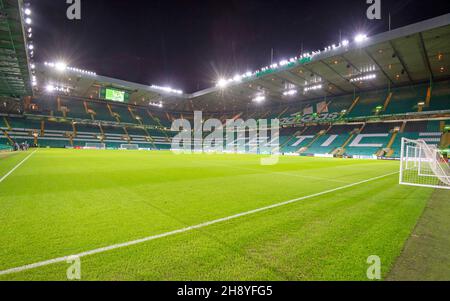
(423, 165)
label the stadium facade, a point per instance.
(357, 97)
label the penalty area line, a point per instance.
(183, 230)
(17, 166)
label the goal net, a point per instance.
(129, 146)
(89, 145)
(422, 164)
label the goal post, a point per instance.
(90, 145)
(423, 165)
(129, 146)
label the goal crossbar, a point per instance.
(423, 165)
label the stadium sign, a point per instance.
(297, 118)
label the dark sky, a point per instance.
(188, 44)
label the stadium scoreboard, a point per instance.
(114, 95)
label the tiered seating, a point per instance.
(314, 130)
(22, 123)
(405, 100)
(297, 142)
(47, 107)
(367, 104)
(382, 127)
(367, 146)
(339, 104)
(426, 130)
(334, 139)
(145, 117)
(53, 126)
(76, 109)
(4, 145)
(3, 124)
(440, 98)
(101, 111)
(125, 115)
(162, 118)
(327, 143)
(286, 139)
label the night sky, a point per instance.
(188, 44)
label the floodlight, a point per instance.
(27, 11)
(28, 21)
(290, 92)
(49, 88)
(222, 83)
(259, 98)
(360, 38)
(345, 43)
(60, 66)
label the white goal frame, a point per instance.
(94, 145)
(423, 165)
(129, 146)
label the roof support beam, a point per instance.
(402, 62)
(424, 53)
(296, 79)
(332, 69)
(334, 84)
(379, 67)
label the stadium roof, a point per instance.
(14, 64)
(403, 56)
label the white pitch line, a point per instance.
(149, 238)
(17, 166)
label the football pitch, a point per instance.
(134, 215)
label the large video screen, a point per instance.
(114, 95)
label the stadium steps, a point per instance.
(428, 99)
(282, 112)
(102, 139)
(386, 102)
(316, 138)
(388, 151)
(71, 140)
(61, 108)
(5, 133)
(442, 126)
(133, 115)
(237, 116)
(74, 128)
(169, 117)
(85, 106)
(341, 150)
(127, 135)
(42, 128)
(355, 102)
(305, 148)
(150, 138)
(445, 140)
(402, 129)
(6, 122)
(158, 122)
(298, 133)
(114, 115)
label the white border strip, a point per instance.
(17, 166)
(149, 238)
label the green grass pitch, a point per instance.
(64, 202)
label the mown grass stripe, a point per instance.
(183, 230)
